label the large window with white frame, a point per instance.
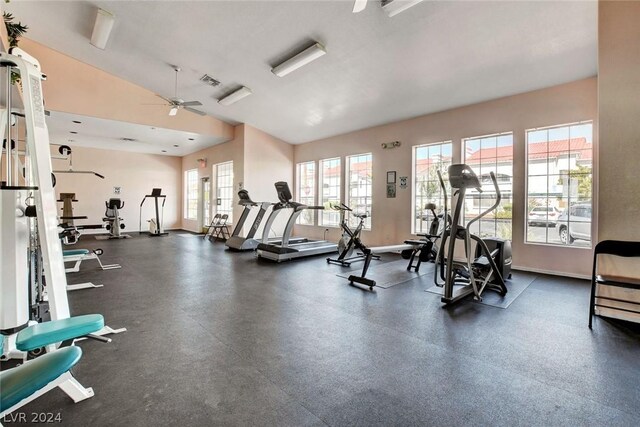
(560, 184)
(191, 194)
(306, 190)
(224, 189)
(428, 159)
(330, 184)
(486, 154)
(359, 187)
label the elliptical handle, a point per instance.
(493, 207)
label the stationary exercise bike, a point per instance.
(350, 239)
(491, 263)
(430, 251)
(112, 219)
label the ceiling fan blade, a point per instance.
(190, 103)
(193, 110)
(359, 5)
(165, 99)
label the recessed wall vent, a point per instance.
(210, 80)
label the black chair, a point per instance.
(616, 248)
(214, 221)
(221, 229)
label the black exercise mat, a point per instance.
(389, 274)
(519, 281)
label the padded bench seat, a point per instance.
(25, 380)
(47, 333)
(74, 252)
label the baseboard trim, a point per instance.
(551, 272)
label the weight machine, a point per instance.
(33, 283)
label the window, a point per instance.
(330, 177)
(486, 154)
(427, 160)
(224, 189)
(359, 188)
(191, 194)
(306, 191)
(559, 184)
(206, 202)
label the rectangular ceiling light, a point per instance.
(394, 7)
(311, 53)
(102, 28)
(236, 96)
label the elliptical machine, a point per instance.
(350, 239)
(489, 267)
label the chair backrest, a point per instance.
(216, 219)
(620, 248)
(223, 219)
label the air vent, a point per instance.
(210, 80)
(128, 139)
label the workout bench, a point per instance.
(79, 255)
(32, 379)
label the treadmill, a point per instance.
(248, 243)
(286, 249)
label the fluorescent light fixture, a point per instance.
(235, 96)
(102, 28)
(394, 7)
(173, 111)
(311, 53)
(359, 5)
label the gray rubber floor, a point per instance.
(219, 338)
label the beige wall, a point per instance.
(136, 173)
(75, 87)
(259, 160)
(619, 116)
(267, 160)
(391, 218)
(229, 151)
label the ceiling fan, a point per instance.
(177, 103)
(392, 7)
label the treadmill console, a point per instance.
(284, 193)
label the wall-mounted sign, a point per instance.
(403, 182)
(391, 177)
(391, 191)
(117, 190)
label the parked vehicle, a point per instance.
(543, 215)
(575, 223)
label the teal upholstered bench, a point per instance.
(44, 334)
(20, 384)
(75, 252)
(24, 383)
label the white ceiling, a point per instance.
(107, 134)
(435, 56)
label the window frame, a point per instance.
(229, 212)
(568, 209)
(499, 177)
(187, 191)
(414, 182)
(368, 224)
(321, 199)
(314, 195)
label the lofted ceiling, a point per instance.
(435, 56)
